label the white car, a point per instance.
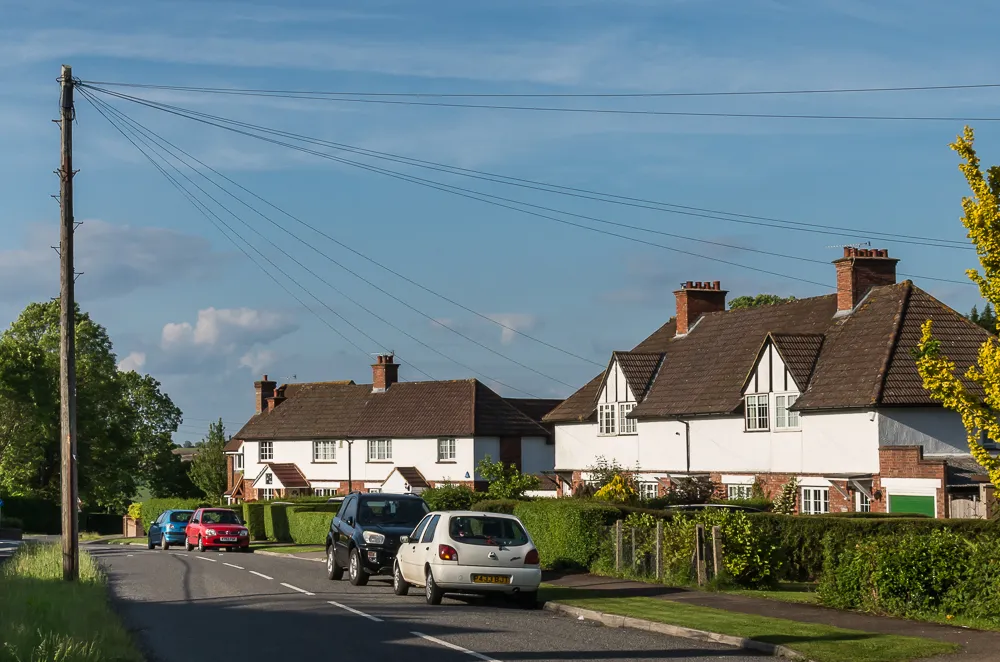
(468, 552)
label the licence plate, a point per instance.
(490, 579)
(227, 539)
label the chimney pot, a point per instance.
(385, 373)
(859, 271)
(716, 285)
(694, 299)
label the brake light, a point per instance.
(447, 553)
(531, 558)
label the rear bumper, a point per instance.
(459, 578)
(174, 536)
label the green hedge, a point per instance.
(567, 532)
(36, 515)
(449, 497)
(153, 508)
(505, 506)
(11, 523)
(253, 517)
(308, 528)
(102, 523)
(276, 522)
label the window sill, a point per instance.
(628, 434)
(447, 462)
(379, 462)
(607, 434)
(324, 462)
(788, 429)
(757, 431)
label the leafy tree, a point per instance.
(188, 444)
(208, 468)
(603, 472)
(449, 497)
(982, 220)
(506, 480)
(986, 319)
(747, 301)
(620, 489)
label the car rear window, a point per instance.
(486, 530)
(181, 518)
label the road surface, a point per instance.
(191, 607)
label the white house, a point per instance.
(824, 389)
(326, 438)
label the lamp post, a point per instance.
(350, 448)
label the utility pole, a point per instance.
(67, 322)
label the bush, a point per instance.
(308, 528)
(449, 497)
(11, 523)
(276, 522)
(506, 506)
(153, 508)
(567, 532)
(36, 515)
(764, 504)
(102, 523)
(253, 518)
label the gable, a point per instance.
(260, 482)
(615, 387)
(770, 374)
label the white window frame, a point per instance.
(269, 478)
(380, 450)
(862, 504)
(268, 455)
(238, 461)
(325, 445)
(649, 490)
(815, 501)
(267, 494)
(374, 490)
(739, 491)
(785, 419)
(607, 419)
(447, 448)
(753, 421)
(626, 425)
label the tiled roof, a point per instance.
(533, 408)
(639, 369)
(964, 470)
(232, 445)
(799, 352)
(288, 474)
(406, 409)
(413, 476)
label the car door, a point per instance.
(345, 529)
(407, 553)
(427, 550)
(191, 531)
(156, 528)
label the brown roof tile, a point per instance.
(289, 474)
(413, 476)
(799, 352)
(639, 369)
(232, 445)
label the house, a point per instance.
(824, 389)
(184, 453)
(328, 438)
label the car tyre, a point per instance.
(432, 592)
(164, 545)
(399, 585)
(201, 544)
(187, 544)
(527, 599)
(356, 573)
(333, 571)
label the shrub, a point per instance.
(505, 480)
(102, 523)
(276, 522)
(308, 528)
(784, 503)
(449, 497)
(11, 523)
(567, 532)
(620, 489)
(153, 508)
(135, 510)
(36, 515)
(253, 518)
(506, 506)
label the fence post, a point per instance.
(659, 550)
(716, 550)
(699, 550)
(618, 545)
(635, 557)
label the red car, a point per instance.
(216, 528)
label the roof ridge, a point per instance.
(897, 327)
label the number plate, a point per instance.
(490, 579)
(228, 539)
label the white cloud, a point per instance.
(133, 361)
(258, 359)
(226, 329)
(514, 322)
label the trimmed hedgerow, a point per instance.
(448, 497)
(308, 528)
(153, 508)
(505, 506)
(253, 518)
(567, 532)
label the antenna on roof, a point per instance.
(291, 379)
(862, 244)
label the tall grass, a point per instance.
(44, 619)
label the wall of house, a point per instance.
(615, 387)
(938, 430)
(538, 454)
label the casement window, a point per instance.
(784, 419)
(862, 504)
(606, 418)
(268, 479)
(324, 451)
(374, 490)
(649, 490)
(238, 462)
(265, 452)
(267, 494)
(739, 491)
(627, 424)
(446, 450)
(756, 412)
(379, 450)
(815, 501)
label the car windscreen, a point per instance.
(487, 530)
(181, 517)
(219, 517)
(391, 512)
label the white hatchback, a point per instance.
(468, 552)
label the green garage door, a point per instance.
(921, 505)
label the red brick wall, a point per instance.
(859, 271)
(693, 302)
(909, 462)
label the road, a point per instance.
(7, 548)
(191, 607)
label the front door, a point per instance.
(510, 451)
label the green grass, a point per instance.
(126, 541)
(45, 618)
(89, 535)
(800, 592)
(822, 643)
(289, 549)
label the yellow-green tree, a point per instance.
(979, 412)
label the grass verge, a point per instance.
(289, 549)
(801, 593)
(45, 618)
(822, 643)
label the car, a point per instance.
(469, 552)
(168, 529)
(364, 534)
(216, 528)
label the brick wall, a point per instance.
(909, 462)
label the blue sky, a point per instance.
(184, 305)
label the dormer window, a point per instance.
(784, 418)
(627, 425)
(756, 413)
(607, 418)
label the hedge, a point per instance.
(277, 519)
(102, 523)
(11, 523)
(153, 508)
(505, 506)
(253, 518)
(567, 532)
(36, 515)
(449, 497)
(276, 522)
(308, 528)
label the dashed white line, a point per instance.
(454, 647)
(238, 567)
(206, 559)
(296, 588)
(355, 611)
(254, 572)
(179, 553)
(130, 555)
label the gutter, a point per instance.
(687, 444)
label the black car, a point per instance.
(364, 534)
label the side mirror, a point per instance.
(350, 521)
(404, 539)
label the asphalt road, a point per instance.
(191, 607)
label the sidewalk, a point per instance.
(978, 645)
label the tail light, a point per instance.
(447, 553)
(531, 558)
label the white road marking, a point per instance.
(454, 647)
(178, 553)
(238, 567)
(254, 572)
(355, 611)
(296, 588)
(206, 559)
(130, 555)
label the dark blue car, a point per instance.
(168, 529)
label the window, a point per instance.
(487, 530)
(738, 491)
(374, 490)
(238, 462)
(268, 478)
(267, 494)
(446, 450)
(324, 451)
(324, 491)
(862, 504)
(606, 418)
(756, 409)
(783, 418)
(432, 526)
(415, 536)
(628, 424)
(265, 451)
(815, 500)
(649, 490)
(379, 450)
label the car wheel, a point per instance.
(355, 572)
(164, 545)
(149, 543)
(201, 544)
(527, 599)
(399, 585)
(432, 593)
(187, 544)
(333, 571)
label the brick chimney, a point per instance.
(265, 390)
(860, 270)
(694, 299)
(385, 373)
(276, 399)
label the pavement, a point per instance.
(194, 607)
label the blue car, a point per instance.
(168, 529)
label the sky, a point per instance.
(183, 303)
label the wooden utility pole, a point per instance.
(67, 322)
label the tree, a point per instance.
(747, 301)
(986, 319)
(506, 480)
(981, 219)
(208, 468)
